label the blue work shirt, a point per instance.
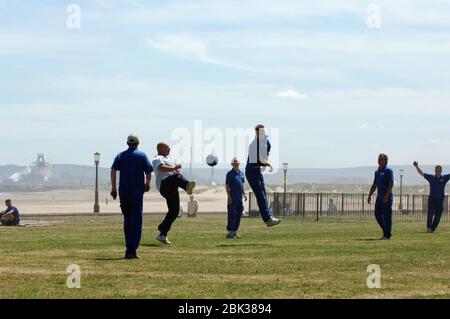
(383, 176)
(235, 181)
(437, 185)
(14, 211)
(132, 165)
(264, 151)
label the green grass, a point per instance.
(298, 259)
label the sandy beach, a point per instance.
(211, 199)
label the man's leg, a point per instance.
(127, 223)
(231, 216)
(174, 182)
(256, 182)
(438, 213)
(379, 214)
(431, 212)
(136, 208)
(239, 211)
(170, 192)
(387, 217)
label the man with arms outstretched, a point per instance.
(436, 197)
(383, 184)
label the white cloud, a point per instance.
(363, 126)
(290, 94)
(188, 47)
(437, 141)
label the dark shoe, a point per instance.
(135, 256)
(190, 188)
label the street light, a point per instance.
(97, 162)
(400, 206)
(285, 169)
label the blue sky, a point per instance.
(338, 91)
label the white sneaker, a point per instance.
(273, 222)
(429, 230)
(163, 239)
(190, 188)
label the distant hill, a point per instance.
(68, 175)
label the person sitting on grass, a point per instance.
(10, 217)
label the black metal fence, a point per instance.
(343, 206)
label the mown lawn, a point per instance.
(298, 259)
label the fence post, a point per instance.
(317, 206)
(304, 204)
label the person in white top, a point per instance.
(168, 180)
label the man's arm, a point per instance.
(416, 165)
(168, 168)
(388, 191)
(372, 190)
(229, 199)
(148, 180)
(113, 183)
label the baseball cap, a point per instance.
(133, 139)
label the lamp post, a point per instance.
(97, 162)
(285, 169)
(400, 206)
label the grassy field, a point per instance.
(298, 259)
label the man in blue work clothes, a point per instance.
(234, 184)
(383, 184)
(258, 156)
(132, 164)
(436, 197)
(10, 217)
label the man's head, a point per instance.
(235, 163)
(133, 140)
(163, 149)
(191, 198)
(260, 131)
(438, 170)
(8, 203)
(382, 160)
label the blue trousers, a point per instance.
(435, 209)
(256, 182)
(132, 226)
(235, 211)
(383, 215)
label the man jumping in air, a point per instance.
(436, 197)
(258, 156)
(168, 180)
(383, 184)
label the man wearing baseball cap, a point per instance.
(132, 165)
